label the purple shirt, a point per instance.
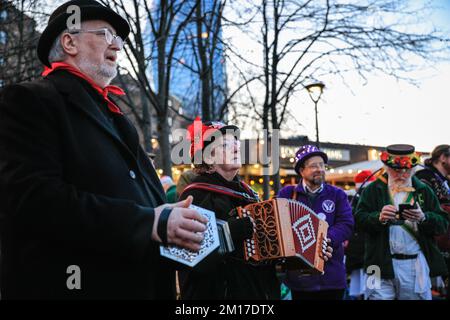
(331, 203)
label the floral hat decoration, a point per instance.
(400, 156)
(200, 134)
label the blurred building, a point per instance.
(345, 161)
(185, 84)
(18, 42)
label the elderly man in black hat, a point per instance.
(82, 207)
(400, 216)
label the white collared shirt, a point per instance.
(402, 242)
(307, 189)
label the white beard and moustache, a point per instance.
(99, 73)
(406, 183)
(395, 184)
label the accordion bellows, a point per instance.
(286, 229)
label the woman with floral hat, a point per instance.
(215, 152)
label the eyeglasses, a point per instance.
(316, 166)
(229, 143)
(109, 37)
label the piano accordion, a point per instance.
(287, 230)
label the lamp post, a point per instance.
(315, 91)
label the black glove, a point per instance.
(240, 229)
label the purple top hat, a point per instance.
(304, 153)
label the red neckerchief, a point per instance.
(103, 91)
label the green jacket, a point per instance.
(377, 250)
(171, 194)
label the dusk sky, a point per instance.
(383, 110)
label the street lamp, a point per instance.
(315, 91)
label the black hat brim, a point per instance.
(230, 128)
(59, 24)
(223, 130)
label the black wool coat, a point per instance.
(76, 189)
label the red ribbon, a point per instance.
(102, 91)
(196, 132)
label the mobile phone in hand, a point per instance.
(402, 207)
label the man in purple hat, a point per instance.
(83, 211)
(331, 204)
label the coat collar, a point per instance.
(104, 92)
(301, 189)
(435, 171)
(77, 96)
(216, 178)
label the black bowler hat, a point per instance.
(90, 10)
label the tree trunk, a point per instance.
(204, 67)
(146, 123)
(265, 118)
(164, 144)
(265, 160)
(274, 143)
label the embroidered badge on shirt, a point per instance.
(328, 206)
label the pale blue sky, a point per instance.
(383, 110)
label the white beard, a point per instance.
(392, 184)
(406, 183)
(101, 74)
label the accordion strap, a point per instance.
(294, 194)
(250, 191)
(224, 190)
